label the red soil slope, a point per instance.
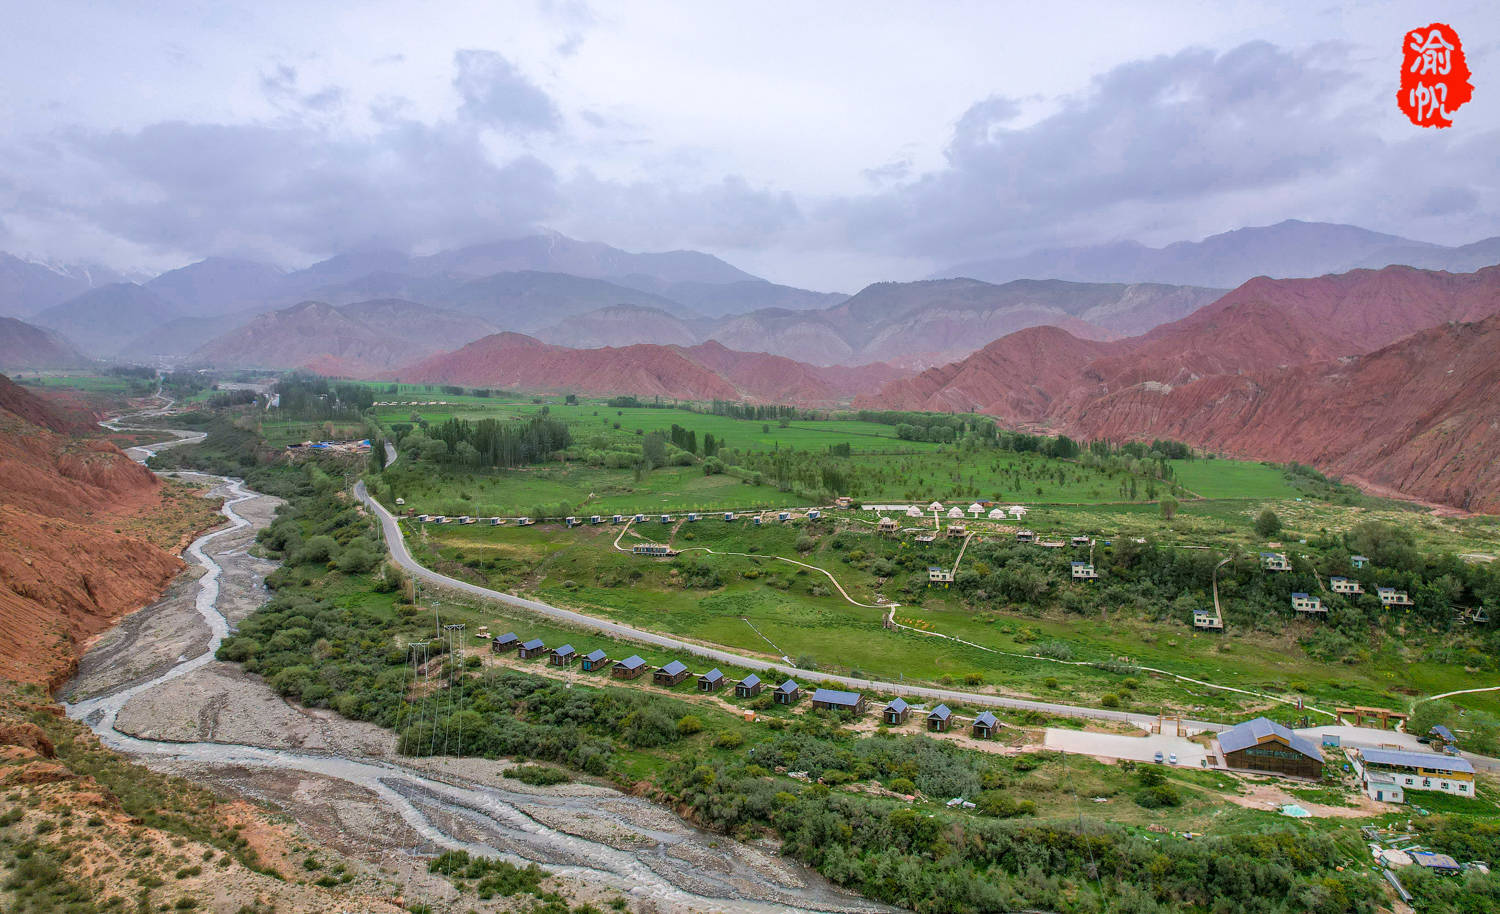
(65, 574)
(708, 371)
(1258, 373)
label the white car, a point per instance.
(1172, 759)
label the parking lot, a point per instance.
(1138, 748)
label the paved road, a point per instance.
(397, 546)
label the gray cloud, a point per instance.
(283, 188)
(493, 92)
(1172, 131)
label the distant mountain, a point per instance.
(360, 338)
(179, 337)
(26, 346)
(103, 321)
(556, 253)
(718, 299)
(27, 287)
(705, 372)
(1219, 378)
(620, 325)
(935, 321)
(217, 285)
(1289, 249)
(530, 300)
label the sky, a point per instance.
(825, 145)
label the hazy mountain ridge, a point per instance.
(1288, 249)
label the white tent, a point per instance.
(913, 511)
(997, 514)
(976, 509)
(956, 512)
(935, 506)
(1017, 511)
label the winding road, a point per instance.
(396, 544)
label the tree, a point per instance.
(1267, 524)
(1169, 507)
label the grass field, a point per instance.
(772, 608)
(1232, 479)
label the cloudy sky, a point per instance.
(825, 145)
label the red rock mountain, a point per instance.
(65, 573)
(1303, 370)
(707, 371)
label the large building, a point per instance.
(1415, 770)
(1264, 745)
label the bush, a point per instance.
(1159, 796)
(1267, 524)
(538, 775)
(689, 724)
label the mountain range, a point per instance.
(1306, 370)
(1289, 249)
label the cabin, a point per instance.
(532, 648)
(595, 520)
(500, 644)
(1389, 596)
(629, 668)
(639, 518)
(1275, 561)
(886, 525)
(896, 712)
(939, 719)
(985, 725)
(618, 518)
(784, 516)
(787, 693)
(493, 521)
(1344, 585)
(571, 521)
(756, 521)
(956, 513)
(425, 518)
(692, 517)
(1207, 619)
(814, 514)
(1081, 539)
(728, 515)
(594, 660)
(671, 674)
(749, 687)
(936, 575)
(976, 509)
(524, 522)
(1359, 561)
(1303, 603)
(1262, 744)
(666, 518)
(1417, 770)
(957, 530)
(563, 656)
(442, 519)
(651, 549)
(834, 700)
(1025, 536)
(1084, 571)
(712, 681)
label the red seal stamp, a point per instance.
(1434, 76)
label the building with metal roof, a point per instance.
(531, 648)
(629, 668)
(749, 687)
(985, 725)
(1262, 744)
(834, 700)
(939, 719)
(711, 681)
(787, 693)
(896, 712)
(671, 674)
(595, 659)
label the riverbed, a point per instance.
(151, 689)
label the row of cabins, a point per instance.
(939, 719)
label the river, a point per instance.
(185, 709)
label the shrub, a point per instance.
(689, 724)
(538, 775)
